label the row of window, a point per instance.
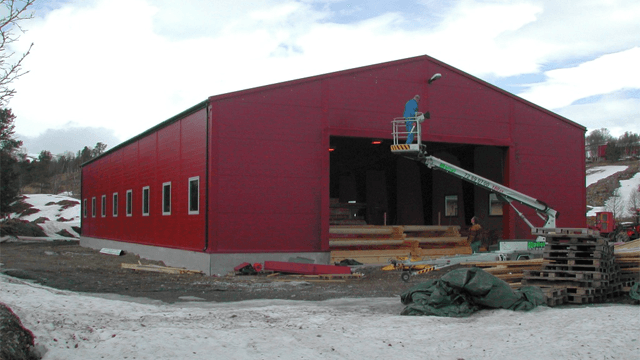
(193, 206)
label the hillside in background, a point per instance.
(602, 181)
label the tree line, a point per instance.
(626, 145)
(46, 173)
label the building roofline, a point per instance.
(384, 65)
(189, 111)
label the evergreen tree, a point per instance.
(9, 184)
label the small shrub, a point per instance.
(65, 233)
(16, 227)
(19, 206)
(40, 220)
(65, 204)
(30, 211)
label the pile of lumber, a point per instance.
(371, 244)
(580, 261)
(627, 256)
(509, 271)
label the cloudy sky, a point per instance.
(106, 70)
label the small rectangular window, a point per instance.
(103, 205)
(495, 205)
(129, 202)
(166, 198)
(194, 195)
(115, 204)
(93, 206)
(145, 201)
(451, 205)
(84, 207)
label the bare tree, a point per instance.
(14, 12)
(615, 204)
(634, 201)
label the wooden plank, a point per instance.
(351, 230)
(335, 242)
(421, 228)
(508, 270)
(625, 254)
(507, 263)
(157, 268)
(507, 277)
(629, 245)
(439, 240)
(630, 270)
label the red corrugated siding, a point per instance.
(172, 154)
(269, 164)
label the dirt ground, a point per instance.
(66, 265)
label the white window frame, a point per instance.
(451, 205)
(93, 207)
(148, 203)
(103, 206)
(197, 211)
(85, 211)
(129, 202)
(114, 203)
(164, 188)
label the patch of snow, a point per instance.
(53, 212)
(74, 326)
(624, 191)
(598, 173)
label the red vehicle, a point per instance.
(623, 232)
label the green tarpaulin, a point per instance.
(462, 292)
(634, 292)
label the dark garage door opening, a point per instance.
(370, 185)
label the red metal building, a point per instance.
(247, 176)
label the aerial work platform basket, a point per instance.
(401, 134)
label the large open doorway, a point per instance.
(370, 185)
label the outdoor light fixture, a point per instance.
(376, 142)
(435, 77)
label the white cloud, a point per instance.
(603, 75)
(130, 64)
(69, 138)
(610, 112)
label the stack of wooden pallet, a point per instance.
(627, 256)
(580, 261)
(378, 244)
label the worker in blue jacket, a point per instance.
(411, 110)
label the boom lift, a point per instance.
(418, 152)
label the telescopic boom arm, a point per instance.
(509, 195)
(418, 152)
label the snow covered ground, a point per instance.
(54, 213)
(74, 326)
(624, 191)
